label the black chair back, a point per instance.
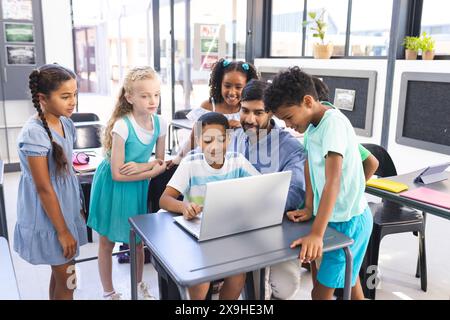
(156, 188)
(386, 167)
(181, 114)
(84, 117)
(88, 136)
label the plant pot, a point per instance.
(410, 54)
(428, 55)
(323, 51)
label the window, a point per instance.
(436, 22)
(368, 36)
(286, 35)
(370, 32)
(110, 38)
(335, 16)
(217, 30)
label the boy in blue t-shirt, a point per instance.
(335, 181)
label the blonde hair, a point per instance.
(123, 107)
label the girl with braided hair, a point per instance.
(50, 227)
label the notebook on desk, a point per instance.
(387, 185)
(430, 196)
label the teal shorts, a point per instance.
(332, 268)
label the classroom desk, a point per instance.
(85, 180)
(187, 262)
(3, 224)
(8, 282)
(408, 179)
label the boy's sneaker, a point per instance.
(113, 296)
(143, 292)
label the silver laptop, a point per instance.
(238, 205)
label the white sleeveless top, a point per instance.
(198, 112)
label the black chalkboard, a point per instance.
(361, 81)
(361, 85)
(424, 111)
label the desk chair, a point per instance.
(180, 114)
(391, 218)
(88, 136)
(84, 117)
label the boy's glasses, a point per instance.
(81, 157)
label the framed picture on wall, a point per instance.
(20, 55)
(19, 32)
(17, 9)
(344, 99)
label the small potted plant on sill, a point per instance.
(412, 47)
(321, 50)
(427, 46)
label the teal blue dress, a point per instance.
(114, 202)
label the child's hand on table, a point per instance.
(299, 215)
(191, 210)
(312, 246)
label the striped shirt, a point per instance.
(194, 173)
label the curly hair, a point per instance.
(323, 92)
(45, 80)
(220, 68)
(123, 107)
(254, 90)
(288, 88)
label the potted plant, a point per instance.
(321, 50)
(427, 46)
(412, 47)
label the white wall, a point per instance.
(58, 32)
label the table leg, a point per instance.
(184, 292)
(133, 265)
(249, 288)
(262, 284)
(348, 273)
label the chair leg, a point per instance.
(424, 214)
(368, 282)
(423, 262)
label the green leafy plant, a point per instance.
(320, 27)
(412, 43)
(426, 42)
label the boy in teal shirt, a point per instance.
(334, 178)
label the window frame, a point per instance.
(412, 27)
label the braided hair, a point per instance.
(45, 80)
(223, 66)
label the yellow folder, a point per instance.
(388, 185)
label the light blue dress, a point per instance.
(35, 238)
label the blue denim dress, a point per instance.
(35, 238)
